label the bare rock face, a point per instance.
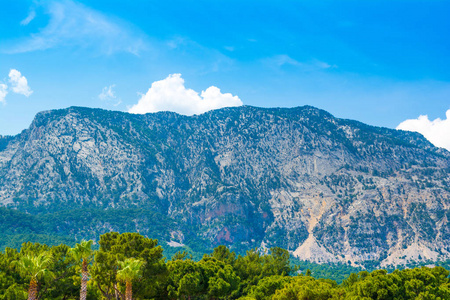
(324, 188)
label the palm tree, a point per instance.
(83, 252)
(36, 267)
(130, 269)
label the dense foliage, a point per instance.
(130, 259)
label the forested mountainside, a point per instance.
(324, 188)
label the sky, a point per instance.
(384, 63)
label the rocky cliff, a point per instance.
(324, 188)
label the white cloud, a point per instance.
(323, 65)
(29, 18)
(3, 92)
(19, 83)
(436, 131)
(74, 24)
(203, 60)
(279, 61)
(176, 42)
(109, 95)
(170, 94)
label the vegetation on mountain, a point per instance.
(131, 266)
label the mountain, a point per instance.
(324, 188)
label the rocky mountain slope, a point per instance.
(324, 188)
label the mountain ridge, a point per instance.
(327, 189)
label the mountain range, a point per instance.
(326, 189)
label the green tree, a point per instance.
(185, 279)
(224, 254)
(14, 281)
(267, 286)
(277, 262)
(417, 283)
(189, 286)
(64, 269)
(35, 267)
(130, 269)
(308, 288)
(116, 247)
(254, 266)
(220, 279)
(11, 283)
(83, 252)
(375, 285)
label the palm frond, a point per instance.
(130, 269)
(83, 250)
(34, 265)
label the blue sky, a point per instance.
(379, 62)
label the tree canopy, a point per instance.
(130, 259)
